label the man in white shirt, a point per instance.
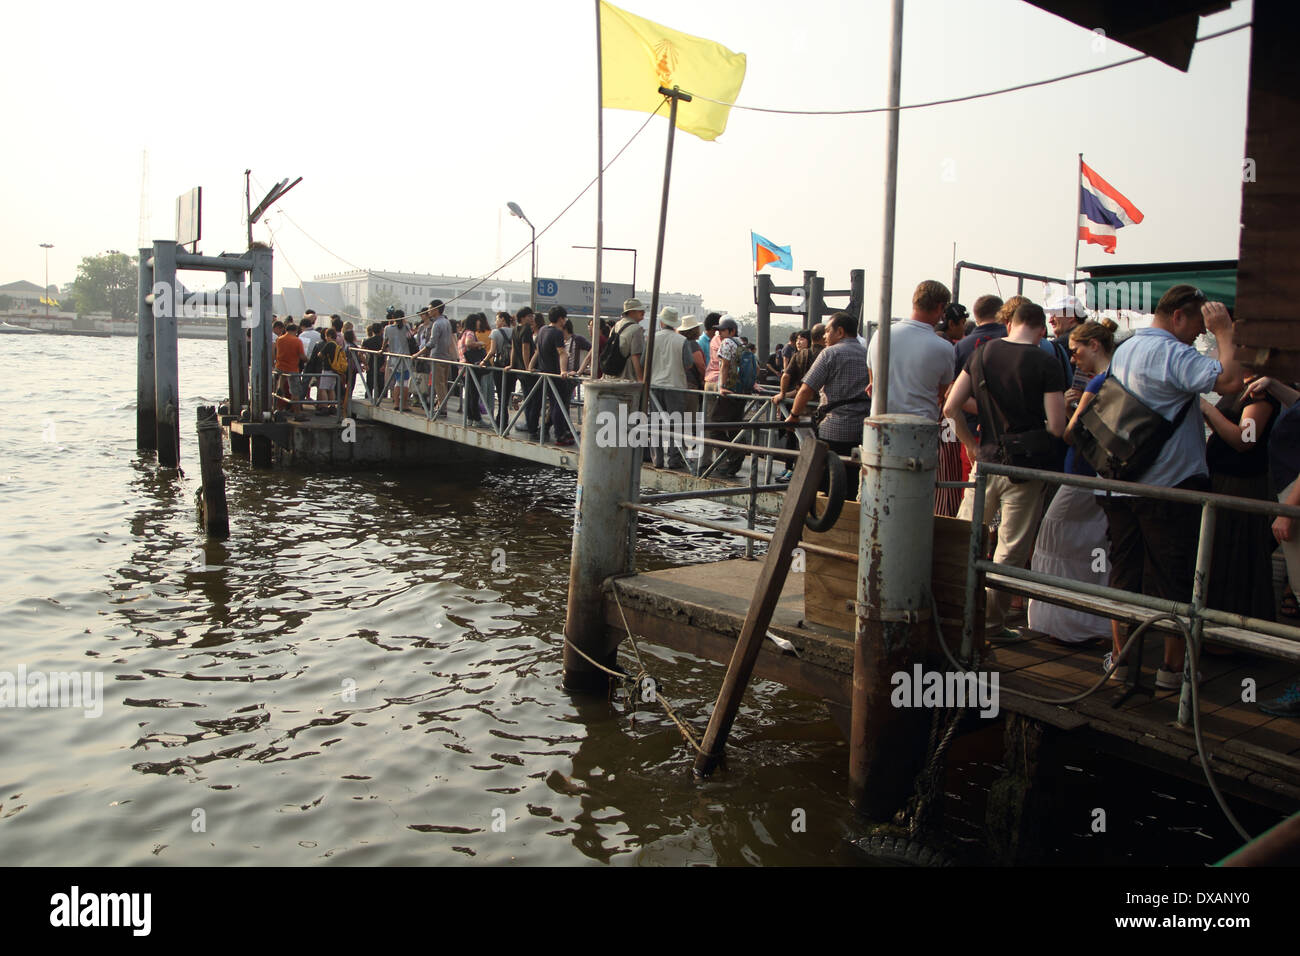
(920, 361)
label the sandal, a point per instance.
(1290, 609)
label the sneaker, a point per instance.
(1007, 635)
(785, 476)
(1121, 672)
(1287, 705)
(1171, 680)
(521, 427)
(565, 442)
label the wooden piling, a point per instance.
(166, 384)
(608, 474)
(803, 489)
(216, 520)
(895, 553)
(236, 344)
(146, 404)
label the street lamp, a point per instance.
(47, 246)
(532, 248)
(618, 249)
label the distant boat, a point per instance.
(6, 327)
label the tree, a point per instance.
(6, 302)
(378, 303)
(107, 283)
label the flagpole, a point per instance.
(673, 95)
(880, 386)
(1078, 187)
(600, 204)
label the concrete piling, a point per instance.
(216, 519)
(887, 744)
(608, 473)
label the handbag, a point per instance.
(1119, 434)
(1035, 448)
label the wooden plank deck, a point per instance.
(700, 609)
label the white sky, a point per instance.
(413, 124)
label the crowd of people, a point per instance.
(1003, 386)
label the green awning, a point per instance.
(1139, 286)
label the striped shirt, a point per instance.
(840, 372)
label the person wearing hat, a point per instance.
(726, 407)
(695, 374)
(668, 379)
(631, 340)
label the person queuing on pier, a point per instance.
(722, 375)
(699, 362)
(553, 359)
(1153, 543)
(810, 343)
(442, 345)
(289, 359)
(631, 341)
(921, 367)
(522, 357)
(498, 360)
(1241, 572)
(374, 343)
(1019, 390)
(471, 351)
(397, 369)
(839, 375)
(354, 369)
(579, 349)
(277, 330)
(1073, 530)
(673, 357)
(710, 329)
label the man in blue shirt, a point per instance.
(1153, 543)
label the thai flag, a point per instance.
(1102, 210)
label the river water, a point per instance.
(368, 672)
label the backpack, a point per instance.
(748, 371)
(612, 360)
(1036, 448)
(338, 362)
(501, 357)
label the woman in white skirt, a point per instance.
(1071, 539)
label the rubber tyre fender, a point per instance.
(837, 488)
(901, 851)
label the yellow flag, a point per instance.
(638, 56)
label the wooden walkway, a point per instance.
(700, 609)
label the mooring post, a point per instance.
(895, 553)
(216, 520)
(146, 403)
(763, 300)
(259, 399)
(608, 474)
(166, 382)
(816, 300)
(236, 357)
(857, 287)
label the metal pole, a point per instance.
(857, 297)
(166, 385)
(47, 246)
(600, 203)
(1200, 583)
(763, 300)
(235, 359)
(608, 473)
(880, 386)
(972, 574)
(1078, 186)
(146, 401)
(673, 95)
(895, 547)
(532, 247)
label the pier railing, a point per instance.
(1267, 638)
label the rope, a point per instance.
(632, 681)
(956, 99)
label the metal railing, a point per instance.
(1196, 612)
(304, 382)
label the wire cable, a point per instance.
(956, 99)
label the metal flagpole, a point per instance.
(880, 386)
(600, 204)
(673, 95)
(1078, 187)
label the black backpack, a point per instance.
(612, 360)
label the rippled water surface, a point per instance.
(367, 671)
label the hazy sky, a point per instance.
(413, 124)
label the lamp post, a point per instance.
(532, 248)
(619, 249)
(45, 293)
